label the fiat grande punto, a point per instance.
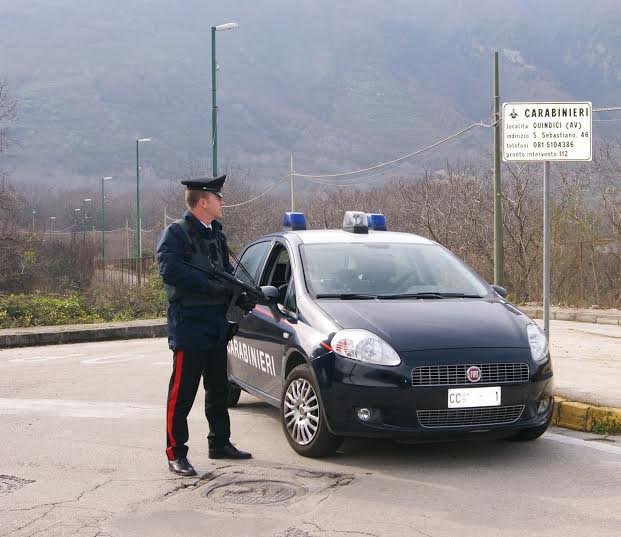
(383, 334)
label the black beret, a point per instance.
(209, 184)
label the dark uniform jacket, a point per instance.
(196, 317)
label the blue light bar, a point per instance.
(294, 221)
(377, 221)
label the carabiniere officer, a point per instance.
(197, 325)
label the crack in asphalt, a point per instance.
(67, 504)
(299, 531)
(296, 531)
(32, 521)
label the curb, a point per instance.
(585, 417)
(62, 334)
(611, 317)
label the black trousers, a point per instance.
(188, 366)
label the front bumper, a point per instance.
(403, 411)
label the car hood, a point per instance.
(411, 324)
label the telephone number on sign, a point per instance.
(540, 145)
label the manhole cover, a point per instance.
(255, 492)
(10, 483)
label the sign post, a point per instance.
(544, 132)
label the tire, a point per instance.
(233, 396)
(306, 429)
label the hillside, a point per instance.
(339, 84)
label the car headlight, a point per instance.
(364, 346)
(538, 342)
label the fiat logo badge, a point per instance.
(473, 373)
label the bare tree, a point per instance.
(7, 115)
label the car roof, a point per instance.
(324, 236)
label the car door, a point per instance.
(261, 339)
(242, 350)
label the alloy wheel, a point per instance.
(301, 412)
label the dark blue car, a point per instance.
(383, 334)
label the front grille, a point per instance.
(461, 417)
(446, 375)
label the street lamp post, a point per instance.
(52, 218)
(33, 221)
(84, 218)
(75, 222)
(138, 230)
(103, 221)
(214, 108)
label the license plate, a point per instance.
(473, 397)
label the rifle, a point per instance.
(257, 294)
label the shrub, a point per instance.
(118, 302)
(36, 310)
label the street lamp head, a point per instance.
(87, 199)
(106, 178)
(227, 26)
(143, 140)
(34, 212)
(76, 210)
(52, 218)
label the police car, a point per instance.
(383, 334)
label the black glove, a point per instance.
(216, 290)
(245, 302)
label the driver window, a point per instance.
(278, 271)
(250, 261)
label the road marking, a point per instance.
(111, 359)
(81, 409)
(616, 450)
(37, 359)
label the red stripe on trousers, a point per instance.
(172, 403)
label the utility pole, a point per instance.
(499, 261)
(546, 249)
(292, 176)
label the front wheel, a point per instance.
(303, 418)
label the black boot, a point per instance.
(181, 466)
(228, 452)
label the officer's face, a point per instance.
(211, 207)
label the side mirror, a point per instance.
(271, 293)
(500, 290)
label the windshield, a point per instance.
(388, 270)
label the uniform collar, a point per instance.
(215, 225)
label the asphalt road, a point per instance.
(83, 454)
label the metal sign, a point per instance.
(547, 131)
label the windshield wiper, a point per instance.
(348, 296)
(429, 295)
